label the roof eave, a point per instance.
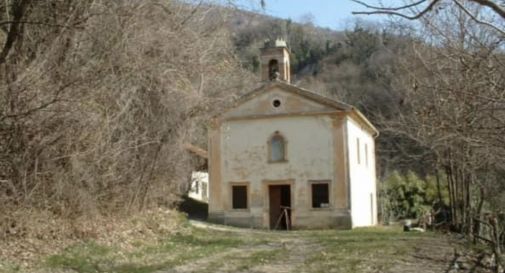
(366, 121)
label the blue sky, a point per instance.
(335, 14)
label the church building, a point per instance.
(284, 157)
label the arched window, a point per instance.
(277, 148)
(273, 69)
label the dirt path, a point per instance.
(258, 258)
(293, 261)
(331, 251)
(203, 247)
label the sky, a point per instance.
(334, 14)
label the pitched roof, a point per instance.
(337, 105)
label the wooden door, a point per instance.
(280, 204)
(275, 204)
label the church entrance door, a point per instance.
(280, 206)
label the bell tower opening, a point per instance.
(275, 61)
(273, 69)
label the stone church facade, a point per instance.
(284, 157)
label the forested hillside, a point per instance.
(98, 99)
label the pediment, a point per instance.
(281, 99)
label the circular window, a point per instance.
(276, 103)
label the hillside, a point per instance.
(98, 100)
(308, 43)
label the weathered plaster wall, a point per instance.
(245, 159)
(362, 175)
(216, 212)
(261, 106)
(317, 149)
(311, 155)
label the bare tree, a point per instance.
(451, 102)
(98, 99)
(418, 9)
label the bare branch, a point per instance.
(393, 11)
(400, 10)
(13, 34)
(492, 5)
(465, 10)
(32, 23)
(44, 105)
(389, 8)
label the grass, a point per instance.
(205, 250)
(89, 257)
(364, 249)
(6, 266)
(260, 257)
(85, 257)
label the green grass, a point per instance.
(86, 257)
(6, 266)
(352, 251)
(359, 250)
(178, 249)
(243, 260)
(260, 257)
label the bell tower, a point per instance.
(275, 61)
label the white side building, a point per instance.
(199, 189)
